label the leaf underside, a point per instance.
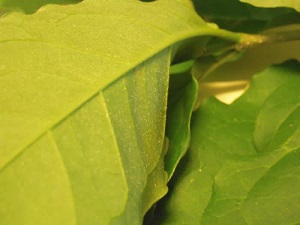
(183, 93)
(85, 158)
(66, 56)
(241, 17)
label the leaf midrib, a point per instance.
(98, 90)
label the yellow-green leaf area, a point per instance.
(67, 54)
(83, 97)
(101, 163)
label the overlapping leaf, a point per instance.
(74, 52)
(275, 3)
(242, 17)
(183, 93)
(243, 164)
(101, 163)
(83, 104)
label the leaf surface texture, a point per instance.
(83, 109)
(243, 163)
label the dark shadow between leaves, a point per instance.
(147, 0)
(30, 7)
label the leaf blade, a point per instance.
(109, 177)
(74, 58)
(183, 94)
(248, 186)
(76, 64)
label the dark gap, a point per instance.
(147, 0)
(30, 7)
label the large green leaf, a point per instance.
(243, 163)
(183, 93)
(75, 52)
(100, 163)
(275, 3)
(83, 103)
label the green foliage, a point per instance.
(30, 6)
(275, 3)
(97, 122)
(242, 17)
(183, 93)
(243, 163)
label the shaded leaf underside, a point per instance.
(275, 3)
(183, 93)
(238, 16)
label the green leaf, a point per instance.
(98, 164)
(237, 16)
(275, 3)
(2, 12)
(243, 163)
(63, 51)
(83, 103)
(183, 94)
